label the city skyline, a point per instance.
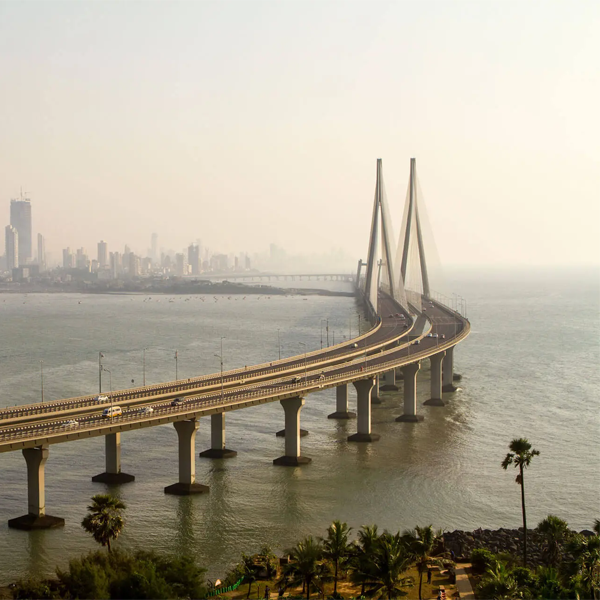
(264, 122)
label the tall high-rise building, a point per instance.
(68, 259)
(102, 254)
(12, 247)
(194, 258)
(20, 219)
(41, 252)
(154, 248)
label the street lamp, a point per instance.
(220, 357)
(110, 385)
(42, 376)
(305, 375)
(144, 365)
(176, 367)
(100, 357)
(279, 344)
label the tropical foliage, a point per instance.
(104, 520)
(520, 456)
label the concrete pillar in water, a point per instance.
(389, 382)
(112, 450)
(436, 380)
(186, 434)
(410, 394)
(36, 517)
(375, 399)
(217, 439)
(363, 409)
(448, 371)
(341, 404)
(292, 457)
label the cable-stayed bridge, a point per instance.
(408, 325)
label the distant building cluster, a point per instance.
(20, 264)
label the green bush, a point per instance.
(482, 559)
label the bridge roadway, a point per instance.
(397, 341)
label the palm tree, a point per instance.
(421, 542)
(597, 526)
(104, 520)
(556, 532)
(306, 564)
(335, 547)
(368, 538)
(498, 582)
(390, 559)
(521, 455)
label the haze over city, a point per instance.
(245, 124)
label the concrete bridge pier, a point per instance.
(448, 371)
(112, 449)
(186, 434)
(410, 394)
(363, 406)
(375, 399)
(341, 404)
(389, 382)
(36, 517)
(217, 439)
(436, 380)
(292, 457)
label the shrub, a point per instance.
(482, 560)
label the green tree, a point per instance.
(521, 454)
(498, 583)
(248, 571)
(422, 542)
(104, 520)
(555, 532)
(336, 547)
(386, 566)
(585, 566)
(306, 564)
(368, 538)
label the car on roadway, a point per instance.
(416, 342)
(442, 336)
(177, 402)
(70, 423)
(297, 379)
(112, 411)
(355, 345)
(147, 410)
(101, 398)
(430, 335)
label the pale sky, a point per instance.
(244, 123)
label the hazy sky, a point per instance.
(244, 123)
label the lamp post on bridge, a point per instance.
(110, 386)
(42, 377)
(100, 357)
(279, 344)
(144, 365)
(176, 367)
(220, 357)
(305, 375)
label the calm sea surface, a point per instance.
(530, 368)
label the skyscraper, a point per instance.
(20, 219)
(194, 258)
(102, 254)
(41, 252)
(154, 248)
(12, 247)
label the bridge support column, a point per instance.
(217, 439)
(448, 371)
(410, 394)
(375, 399)
(389, 382)
(341, 404)
(292, 457)
(36, 518)
(112, 449)
(186, 434)
(363, 406)
(436, 380)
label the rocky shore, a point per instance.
(462, 543)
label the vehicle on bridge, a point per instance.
(112, 411)
(101, 398)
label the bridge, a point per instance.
(267, 276)
(407, 327)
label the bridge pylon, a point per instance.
(380, 257)
(412, 228)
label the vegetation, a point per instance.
(521, 454)
(336, 547)
(556, 533)
(104, 520)
(422, 542)
(120, 575)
